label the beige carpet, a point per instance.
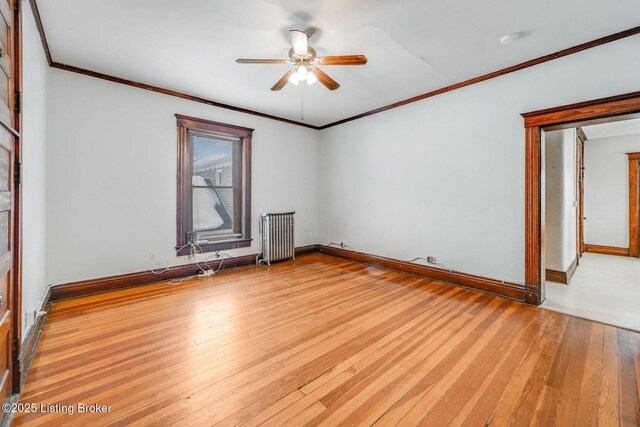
(605, 288)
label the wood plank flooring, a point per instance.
(324, 341)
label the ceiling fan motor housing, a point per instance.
(307, 59)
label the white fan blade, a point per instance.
(299, 40)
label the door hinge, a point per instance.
(17, 172)
(16, 348)
(17, 104)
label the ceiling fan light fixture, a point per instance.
(294, 79)
(301, 72)
(311, 79)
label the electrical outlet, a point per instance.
(432, 260)
(30, 318)
(342, 245)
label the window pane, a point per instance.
(4, 87)
(4, 168)
(4, 233)
(213, 209)
(212, 161)
(4, 33)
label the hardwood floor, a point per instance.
(327, 341)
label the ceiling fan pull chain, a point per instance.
(302, 102)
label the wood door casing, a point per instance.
(562, 117)
(581, 139)
(634, 204)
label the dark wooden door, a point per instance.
(6, 262)
(10, 57)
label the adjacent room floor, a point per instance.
(328, 341)
(605, 288)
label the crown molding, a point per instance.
(43, 37)
(575, 49)
(176, 94)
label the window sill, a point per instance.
(217, 246)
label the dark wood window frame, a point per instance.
(187, 125)
(567, 116)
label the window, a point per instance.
(214, 185)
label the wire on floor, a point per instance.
(195, 250)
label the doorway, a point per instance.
(581, 231)
(588, 193)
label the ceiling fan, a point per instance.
(305, 62)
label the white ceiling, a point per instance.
(413, 46)
(607, 130)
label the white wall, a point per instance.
(112, 176)
(560, 194)
(606, 190)
(445, 176)
(440, 177)
(34, 140)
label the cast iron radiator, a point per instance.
(276, 230)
